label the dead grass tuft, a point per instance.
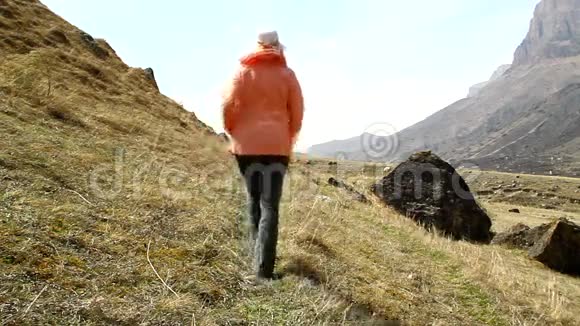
(66, 116)
(7, 12)
(58, 36)
(312, 242)
(126, 127)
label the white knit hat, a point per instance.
(270, 39)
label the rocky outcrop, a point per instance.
(554, 32)
(520, 236)
(92, 44)
(559, 247)
(151, 76)
(430, 191)
(555, 244)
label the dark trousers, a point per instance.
(264, 179)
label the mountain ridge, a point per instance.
(553, 33)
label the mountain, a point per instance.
(475, 89)
(553, 33)
(335, 148)
(527, 119)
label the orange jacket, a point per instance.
(263, 107)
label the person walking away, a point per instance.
(262, 113)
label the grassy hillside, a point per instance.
(117, 206)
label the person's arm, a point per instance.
(230, 101)
(295, 106)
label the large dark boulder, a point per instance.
(559, 247)
(430, 191)
(520, 236)
(556, 244)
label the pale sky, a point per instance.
(360, 62)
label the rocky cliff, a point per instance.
(553, 33)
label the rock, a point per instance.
(514, 210)
(92, 44)
(431, 192)
(555, 244)
(331, 163)
(559, 247)
(553, 32)
(550, 207)
(520, 236)
(356, 194)
(151, 76)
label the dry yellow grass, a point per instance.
(119, 207)
(530, 216)
(506, 279)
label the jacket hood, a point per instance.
(272, 56)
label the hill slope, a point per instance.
(118, 207)
(350, 147)
(524, 121)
